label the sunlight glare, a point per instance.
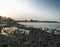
(2, 12)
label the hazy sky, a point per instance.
(31, 9)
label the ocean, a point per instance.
(41, 25)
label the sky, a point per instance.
(44, 10)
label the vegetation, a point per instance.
(5, 19)
(36, 37)
(37, 21)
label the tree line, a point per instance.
(5, 19)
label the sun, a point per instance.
(2, 12)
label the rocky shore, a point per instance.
(17, 35)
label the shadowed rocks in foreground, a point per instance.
(29, 37)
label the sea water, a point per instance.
(42, 25)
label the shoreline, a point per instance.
(34, 36)
(21, 26)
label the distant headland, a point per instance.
(37, 21)
(5, 19)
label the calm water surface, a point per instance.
(43, 25)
